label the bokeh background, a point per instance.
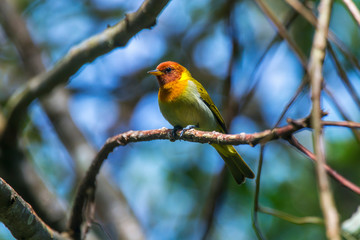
(167, 184)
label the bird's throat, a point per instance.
(172, 91)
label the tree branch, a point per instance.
(341, 111)
(290, 218)
(346, 183)
(282, 31)
(255, 211)
(19, 217)
(86, 189)
(353, 10)
(311, 18)
(87, 51)
(55, 106)
(315, 69)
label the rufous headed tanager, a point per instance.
(185, 104)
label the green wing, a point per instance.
(208, 101)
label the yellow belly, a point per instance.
(186, 108)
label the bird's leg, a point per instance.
(188, 127)
(173, 132)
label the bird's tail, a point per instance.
(237, 166)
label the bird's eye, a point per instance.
(167, 70)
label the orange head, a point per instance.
(167, 72)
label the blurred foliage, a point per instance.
(166, 183)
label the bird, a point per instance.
(185, 104)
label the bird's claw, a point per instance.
(173, 133)
(183, 130)
(188, 127)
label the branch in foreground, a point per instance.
(20, 218)
(87, 51)
(87, 186)
(315, 69)
(353, 9)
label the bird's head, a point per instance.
(168, 72)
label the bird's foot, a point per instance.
(173, 133)
(188, 127)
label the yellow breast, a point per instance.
(172, 91)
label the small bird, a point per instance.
(185, 104)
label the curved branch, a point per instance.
(55, 107)
(86, 189)
(87, 51)
(19, 217)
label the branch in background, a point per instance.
(341, 111)
(282, 31)
(256, 198)
(87, 51)
(55, 106)
(87, 186)
(216, 195)
(303, 85)
(299, 7)
(346, 183)
(16, 30)
(20, 218)
(342, 73)
(214, 200)
(290, 218)
(315, 69)
(30, 186)
(255, 80)
(353, 10)
(311, 18)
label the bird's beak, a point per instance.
(155, 72)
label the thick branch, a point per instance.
(87, 51)
(56, 108)
(315, 69)
(20, 218)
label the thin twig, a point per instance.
(315, 69)
(311, 18)
(341, 111)
(343, 75)
(290, 218)
(304, 83)
(282, 31)
(256, 198)
(336, 176)
(255, 80)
